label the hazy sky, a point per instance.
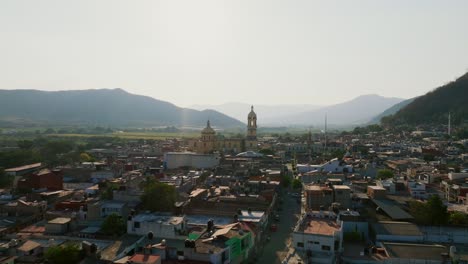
(252, 51)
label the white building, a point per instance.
(389, 185)
(319, 233)
(333, 166)
(161, 225)
(417, 189)
(174, 160)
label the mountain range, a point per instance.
(390, 111)
(357, 111)
(268, 114)
(435, 106)
(104, 107)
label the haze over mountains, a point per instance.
(116, 107)
(104, 107)
(357, 111)
(269, 114)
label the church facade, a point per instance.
(210, 142)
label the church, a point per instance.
(209, 142)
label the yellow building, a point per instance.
(209, 141)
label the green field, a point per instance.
(134, 135)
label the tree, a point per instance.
(85, 157)
(267, 152)
(296, 184)
(69, 253)
(384, 174)
(158, 196)
(458, 218)
(5, 180)
(285, 181)
(25, 144)
(433, 212)
(437, 210)
(113, 225)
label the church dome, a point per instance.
(252, 114)
(208, 129)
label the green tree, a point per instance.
(437, 210)
(433, 212)
(85, 157)
(113, 225)
(384, 174)
(296, 184)
(458, 218)
(285, 181)
(267, 152)
(108, 192)
(66, 254)
(5, 180)
(158, 196)
(25, 144)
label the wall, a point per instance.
(307, 238)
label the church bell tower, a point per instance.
(252, 125)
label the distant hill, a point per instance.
(390, 111)
(434, 106)
(267, 114)
(359, 110)
(105, 107)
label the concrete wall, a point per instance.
(310, 242)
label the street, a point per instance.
(275, 250)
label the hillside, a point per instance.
(434, 106)
(105, 107)
(353, 112)
(390, 111)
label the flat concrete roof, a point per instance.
(60, 220)
(397, 229)
(415, 251)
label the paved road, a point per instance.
(275, 250)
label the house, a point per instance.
(318, 196)
(101, 209)
(59, 225)
(23, 170)
(332, 166)
(164, 226)
(376, 192)
(43, 179)
(29, 248)
(320, 235)
(342, 195)
(232, 243)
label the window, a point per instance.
(300, 244)
(136, 224)
(326, 248)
